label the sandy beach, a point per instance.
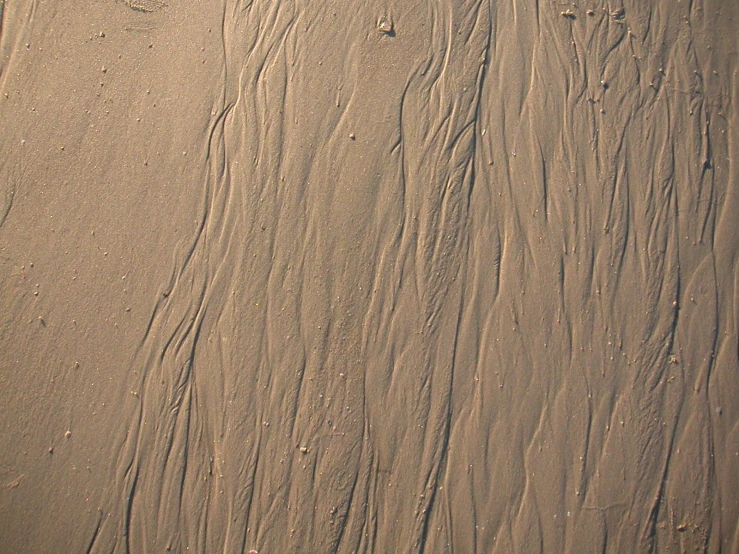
(369, 277)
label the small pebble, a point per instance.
(385, 25)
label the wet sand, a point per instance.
(319, 277)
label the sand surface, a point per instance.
(336, 277)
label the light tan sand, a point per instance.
(454, 276)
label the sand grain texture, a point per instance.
(310, 277)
